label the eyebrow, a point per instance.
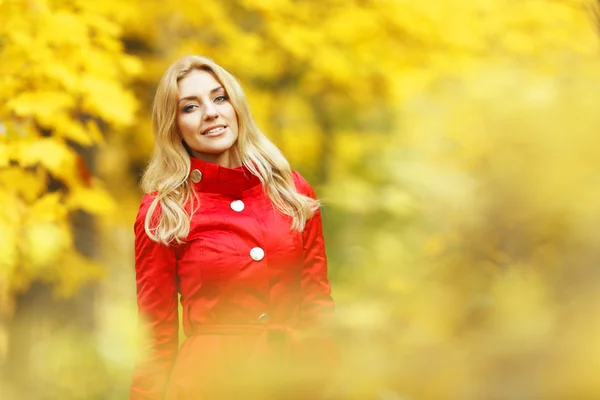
(197, 98)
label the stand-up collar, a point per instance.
(213, 178)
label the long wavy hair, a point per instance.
(168, 217)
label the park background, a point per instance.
(454, 144)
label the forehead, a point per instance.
(197, 83)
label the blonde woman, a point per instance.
(226, 224)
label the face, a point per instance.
(206, 119)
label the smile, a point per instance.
(214, 130)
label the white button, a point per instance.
(263, 318)
(237, 205)
(257, 254)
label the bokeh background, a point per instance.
(455, 145)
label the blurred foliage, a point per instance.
(60, 64)
(453, 142)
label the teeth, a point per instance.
(217, 129)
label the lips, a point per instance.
(211, 130)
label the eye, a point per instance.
(189, 108)
(221, 98)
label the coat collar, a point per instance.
(213, 178)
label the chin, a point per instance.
(216, 149)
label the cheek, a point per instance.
(232, 117)
(186, 124)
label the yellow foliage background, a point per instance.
(454, 144)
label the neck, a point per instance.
(227, 159)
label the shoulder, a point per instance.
(147, 200)
(302, 185)
(145, 205)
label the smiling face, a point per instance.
(206, 119)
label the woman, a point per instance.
(230, 227)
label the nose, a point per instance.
(210, 112)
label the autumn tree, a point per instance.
(63, 83)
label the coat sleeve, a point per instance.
(316, 307)
(157, 287)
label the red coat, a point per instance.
(251, 291)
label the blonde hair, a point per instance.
(169, 168)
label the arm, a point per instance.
(320, 354)
(156, 280)
(316, 306)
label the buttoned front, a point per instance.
(237, 205)
(238, 274)
(257, 253)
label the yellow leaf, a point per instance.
(10, 212)
(94, 132)
(76, 270)
(101, 24)
(132, 65)
(302, 146)
(49, 208)
(43, 104)
(108, 99)
(64, 28)
(28, 184)
(93, 200)
(8, 248)
(63, 74)
(53, 154)
(75, 131)
(45, 242)
(4, 155)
